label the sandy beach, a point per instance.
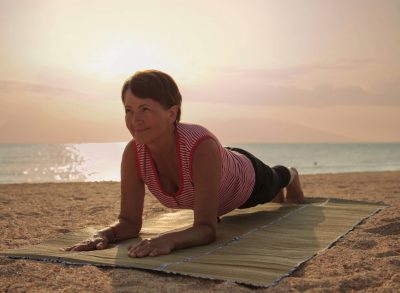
(365, 260)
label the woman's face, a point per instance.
(146, 119)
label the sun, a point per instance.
(119, 60)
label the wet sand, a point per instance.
(365, 260)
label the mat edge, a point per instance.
(330, 245)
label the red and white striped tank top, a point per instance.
(237, 178)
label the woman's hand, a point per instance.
(98, 241)
(150, 247)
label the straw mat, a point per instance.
(257, 246)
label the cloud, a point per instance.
(321, 95)
(24, 89)
(39, 113)
(274, 87)
(41, 128)
(264, 130)
(287, 74)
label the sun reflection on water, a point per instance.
(60, 162)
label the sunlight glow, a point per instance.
(121, 59)
(324, 68)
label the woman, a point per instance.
(184, 166)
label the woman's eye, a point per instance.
(127, 110)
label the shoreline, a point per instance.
(365, 260)
(115, 181)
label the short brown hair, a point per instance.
(155, 85)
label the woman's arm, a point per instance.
(130, 218)
(206, 179)
(132, 196)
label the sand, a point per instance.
(365, 260)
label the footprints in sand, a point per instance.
(372, 255)
(397, 219)
(95, 210)
(390, 228)
(364, 244)
(395, 262)
(79, 198)
(385, 230)
(4, 201)
(5, 261)
(63, 230)
(387, 254)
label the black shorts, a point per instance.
(269, 181)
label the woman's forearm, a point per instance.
(193, 236)
(164, 244)
(118, 231)
(121, 230)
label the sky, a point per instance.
(251, 71)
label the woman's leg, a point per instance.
(280, 197)
(294, 192)
(272, 183)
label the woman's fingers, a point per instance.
(154, 252)
(83, 247)
(72, 248)
(139, 244)
(67, 248)
(90, 244)
(102, 244)
(147, 248)
(141, 249)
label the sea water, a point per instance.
(31, 163)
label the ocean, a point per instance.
(34, 163)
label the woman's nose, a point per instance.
(133, 119)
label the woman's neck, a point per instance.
(164, 147)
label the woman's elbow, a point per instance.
(210, 234)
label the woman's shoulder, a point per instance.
(194, 133)
(128, 153)
(133, 148)
(192, 128)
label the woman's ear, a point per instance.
(173, 113)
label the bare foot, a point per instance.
(280, 197)
(294, 192)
